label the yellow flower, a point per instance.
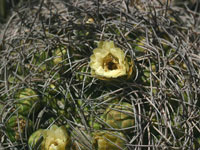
(90, 21)
(56, 138)
(109, 61)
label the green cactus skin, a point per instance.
(58, 104)
(62, 59)
(15, 127)
(107, 140)
(140, 43)
(81, 74)
(147, 74)
(35, 139)
(119, 116)
(40, 61)
(94, 125)
(25, 100)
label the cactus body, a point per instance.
(25, 100)
(105, 140)
(35, 138)
(15, 127)
(119, 116)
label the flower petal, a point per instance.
(109, 61)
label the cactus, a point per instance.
(25, 100)
(107, 140)
(94, 124)
(82, 140)
(139, 48)
(35, 139)
(81, 74)
(40, 62)
(119, 116)
(15, 127)
(59, 55)
(59, 103)
(147, 71)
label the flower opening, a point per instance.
(56, 138)
(109, 61)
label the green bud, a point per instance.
(25, 100)
(35, 139)
(119, 116)
(15, 127)
(107, 140)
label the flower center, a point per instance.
(53, 146)
(110, 63)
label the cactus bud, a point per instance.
(107, 140)
(35, 139)
(15, 127)
(25, 100)
(119, 116)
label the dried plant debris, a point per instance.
(47, 79)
